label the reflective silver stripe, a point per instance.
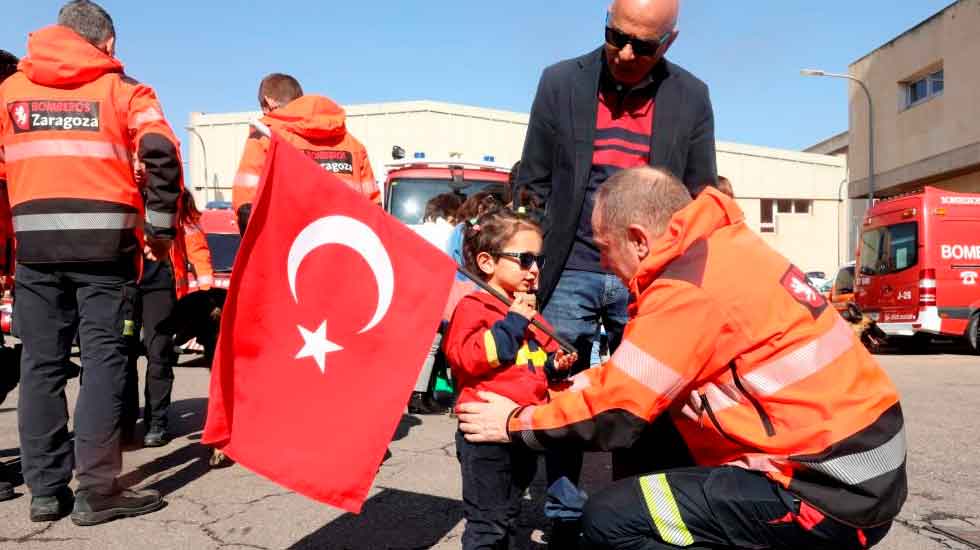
(147, 116)
(160, 219)
(646, 369)
(66, 148)
(857, 468)
(74, 221)
(802, 362)
(246, 180)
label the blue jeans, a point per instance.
(581, 302)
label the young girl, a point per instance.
(493, 348)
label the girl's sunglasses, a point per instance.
(525, 259)
(642, 48)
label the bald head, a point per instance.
(653, 17)
(644, 196)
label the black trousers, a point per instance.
(495, 477)
(712, 508)
(157, 297)
(660, 447)
(52, 303)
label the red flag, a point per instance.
(331, 311)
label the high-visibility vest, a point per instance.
(72, 124)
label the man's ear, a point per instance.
(486, 262)
(666, 46)
(638, 236)
(269, 104)
(109, 46)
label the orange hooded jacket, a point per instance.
(755, 370)
(191, 247)
(70, 124)
(316, 126)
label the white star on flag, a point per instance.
(316, 345)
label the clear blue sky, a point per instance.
(209, 55)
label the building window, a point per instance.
(768, 208)
(802, 206)
(766, 219)
(924, 88)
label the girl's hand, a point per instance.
(524, 305)
(564, 361)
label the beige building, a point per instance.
(440, 131)
(925, 133)
(793, 199)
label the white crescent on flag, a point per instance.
(353, 234)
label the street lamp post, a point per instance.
(204, 152)
(871, 132)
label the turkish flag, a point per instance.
(331, 311)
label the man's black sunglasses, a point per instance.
(642, 48)
(526, 259)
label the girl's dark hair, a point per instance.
(187, 209)
(490, 233)
(476, 205)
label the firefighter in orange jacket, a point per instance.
(162, 284)
(71, 122)
(315, 125)
(796, 432)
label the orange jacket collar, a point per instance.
(310, 116)
(710, 211)
(58, 56)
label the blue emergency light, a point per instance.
(419, 155)
(488, 158)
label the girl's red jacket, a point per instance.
(492, 349)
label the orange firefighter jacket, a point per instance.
(191, 246)
(316, 126)
(70, 124)
(753, 367)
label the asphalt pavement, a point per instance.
(415, 501)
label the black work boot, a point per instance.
(92, 508)
(7, 483)
(156, 436)
(6, 490)
(52, 508)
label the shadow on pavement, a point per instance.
(187, 416)
(186, 419)
(383, 520)
(192, 456)
(405, 425)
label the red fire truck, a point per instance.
(919, 264)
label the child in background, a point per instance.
(437, 227)
(493, 348)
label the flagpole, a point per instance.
(565, 345)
